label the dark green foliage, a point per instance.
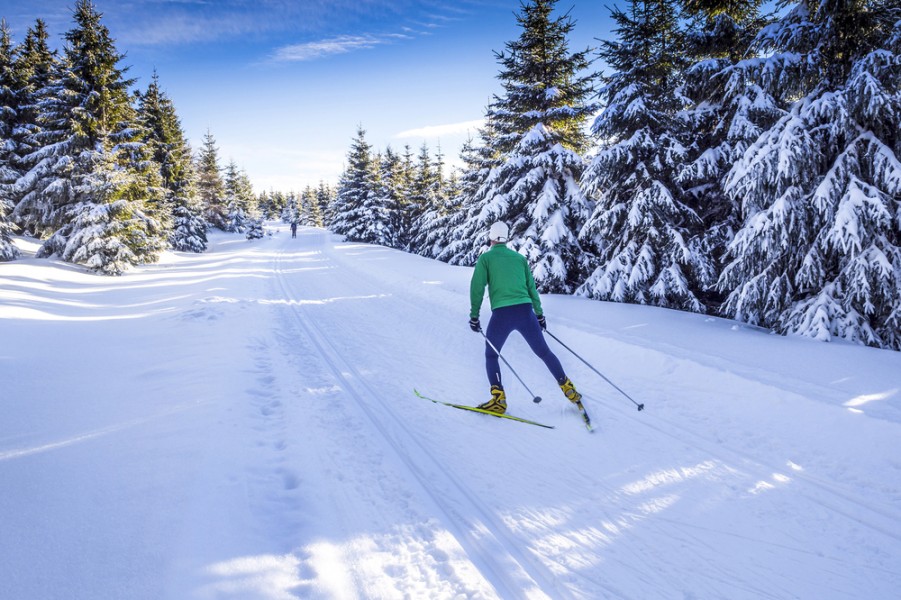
(210, 187)
(644, 235)
(163, 135)
(106, 203)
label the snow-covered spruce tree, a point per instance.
(386, 199)
(40, 135)
(245, 193)
(442, 228)
(291, 210)
(8, 250)
(254, 229)
(307, 205)
(210, 187)
(449, 229)
(276, 204)
(164, 136)
(402, 213)
(325, 195)
(240, 203)
(106, 187)
(348, 211)
(10, 90)
(540, 123)
(235, 219)
(266, 202)
(645, 237)
(314, 208)
(371, 220)
(426, 201)
(819, 253)
(727, 111)
(35, 66)
(467, 233)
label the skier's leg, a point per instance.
(527, 325)
(499, 328)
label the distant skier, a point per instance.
(515, 306)
(294, 229)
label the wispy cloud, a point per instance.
(433, 131)
(341, 44)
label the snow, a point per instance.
(241, 424)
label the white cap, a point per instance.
(498, 232)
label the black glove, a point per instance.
(542, 322)
(475, 325)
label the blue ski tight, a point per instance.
(521, 318)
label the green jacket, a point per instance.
(509, 280)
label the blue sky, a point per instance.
(283, 84)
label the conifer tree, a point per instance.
(291, 210)
(646, 239)
(240, 204)
(450, 228)
(9, 117)
(324, 197)
(277, 201)
(422, 199)
(432, 234)
(244, 190)
(358, 181)
(264, 202)
(8, 250)
(403, 213)
(307, 201)
(170, 150)
(388, 198)
(370, 219)
(376, 216)
(539, 135)
(254, 228)
(35, 66)
(727, 111)
(312, 207)
(40, 135)
(107, 189)
(819, 253)
(210, 187)
(234, 208)
(467, 235)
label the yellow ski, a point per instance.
(483, 411)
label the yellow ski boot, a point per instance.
(498, 402)
(569, 390)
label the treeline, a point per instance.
(102, 173)
(741, 164)
(389, 198)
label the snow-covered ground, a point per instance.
(242, 424)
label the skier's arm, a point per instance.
(477, 288)
(533, 291)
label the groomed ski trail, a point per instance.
(492, 548)
(719, 459)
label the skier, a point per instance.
(294, 229)
(515, 305)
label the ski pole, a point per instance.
(535, 399)
(640, 406)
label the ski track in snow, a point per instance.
(459, 508)
(295, 462)
(723, 456)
